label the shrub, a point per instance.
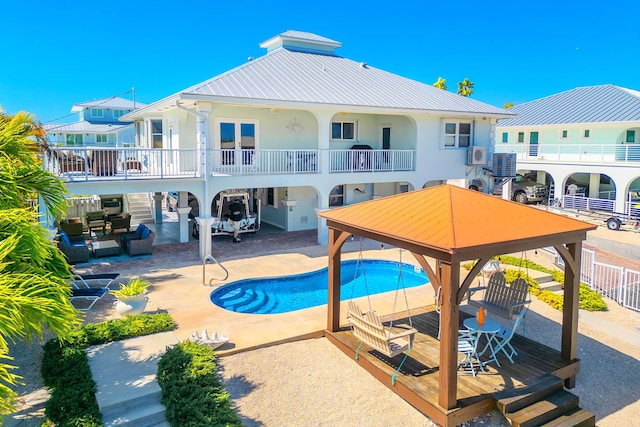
(65, 367)
(135, 286)
(192, 393)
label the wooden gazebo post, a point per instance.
(449, 318)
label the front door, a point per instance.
(238, 143)
(533, 144)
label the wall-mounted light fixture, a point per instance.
(358, 191)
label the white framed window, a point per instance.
(341, 131)
(564, 134)
(96, 112)
(118, 113)
(101, 138)
(271, 200)
(74, 139)
(336, 197)
(521, 137)
(156, 133)
(586, 134)
(457, 134)
(238, 139)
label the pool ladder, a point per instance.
(204, 270)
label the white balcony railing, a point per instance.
(95, 163)
(101, 163)
(574, 153)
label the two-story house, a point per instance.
(98, 124)
(302, 129)
(587, 136)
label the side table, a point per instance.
(490, 328)
(105, 248)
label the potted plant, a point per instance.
(131, 296)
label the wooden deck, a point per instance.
(418, 380)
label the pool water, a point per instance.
(284, 294)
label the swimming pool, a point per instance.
(289, 293)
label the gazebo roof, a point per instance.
(461, 223)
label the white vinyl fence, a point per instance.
(617, 283)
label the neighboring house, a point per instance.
(588, 136)
(98, 125)
(302, 128)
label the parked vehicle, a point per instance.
(523, 189)
(249, 223)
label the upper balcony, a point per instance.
(75, 164)
(572, 153)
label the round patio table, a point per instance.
(490, 328)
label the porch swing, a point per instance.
(368, 327)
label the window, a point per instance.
(96, 112)
(336, 197)
(565, 134)
(586, 134)
(631, 136)
(156, 133)
(101, 138)
(457, 134)
(118, 113)
(505, 137)
(74, 139)
(521, 137)
(343, 130)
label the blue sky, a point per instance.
(56, 54)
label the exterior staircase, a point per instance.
(543, 403)
(140, 208)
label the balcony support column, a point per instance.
(157, 207)
(205, 223)
(183, 223)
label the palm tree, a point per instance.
(34, 292)
(440, 83)
(465, 87)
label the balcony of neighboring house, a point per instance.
(99, 163)
(574, 153)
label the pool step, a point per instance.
(238, 298)
(252, 304)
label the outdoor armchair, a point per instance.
(74, 251)
(141, 246)
(121, 222)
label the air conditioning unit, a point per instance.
(504, 165)
(477, 156)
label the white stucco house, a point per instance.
(98, 124)
(589, 136)
(302, 128)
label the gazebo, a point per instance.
(453, 225)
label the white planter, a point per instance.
(131, 305)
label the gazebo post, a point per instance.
(449, 318)
(569, 345)
(333, 309)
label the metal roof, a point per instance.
(302, 68)
(85, 127)
(591, 104)
(113, 102)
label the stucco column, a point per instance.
(183, 223)
(323, 230)
(157, 205)
(205, 223)
(594, 185)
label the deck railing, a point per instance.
(96, 163)
(100, 163)
(574, 153)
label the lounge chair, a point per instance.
(102, 280)
(90, 294)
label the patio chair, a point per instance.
(90, 294)
(141, 245)
(503, 338)
(72, 226)
(468, 346)
(96, 219)
(75, 251)
(119, 222)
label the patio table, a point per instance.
(490, 328)
(105, 248)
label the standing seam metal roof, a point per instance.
(591, 104)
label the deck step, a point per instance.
(517, 398)
(545, 410)
(576, 418)
(550, 286)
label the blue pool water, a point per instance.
(283, 294)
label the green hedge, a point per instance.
(192, 393)
(65, 367)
